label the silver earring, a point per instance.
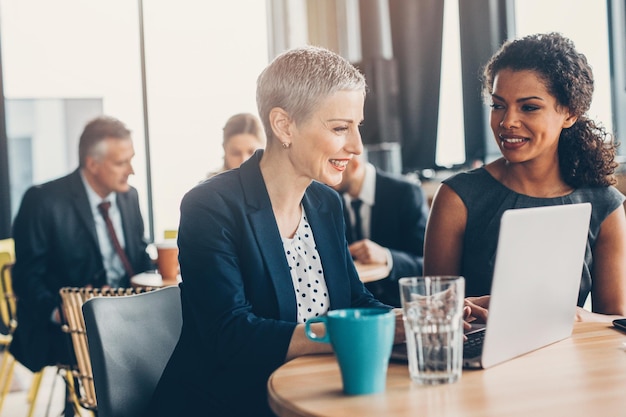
(286, 145)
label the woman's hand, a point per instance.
(475, 309)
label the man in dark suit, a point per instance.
(385, 223)
(62, 239)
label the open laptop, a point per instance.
(538, 266)
(536, 279)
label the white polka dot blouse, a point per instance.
(306, 272)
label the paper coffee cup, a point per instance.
(167, 259)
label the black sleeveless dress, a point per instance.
(486, 199)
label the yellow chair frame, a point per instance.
(8, 317)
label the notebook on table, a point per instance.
(538, 266)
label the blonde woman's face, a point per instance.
(238, 148)
(323, 145)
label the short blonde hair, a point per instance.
(298, 79)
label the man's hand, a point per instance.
(368, 252)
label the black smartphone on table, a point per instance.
(620, 324)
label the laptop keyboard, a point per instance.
(473, 346)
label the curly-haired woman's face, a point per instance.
(526, 119)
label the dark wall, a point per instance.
(5, 191)
(382, 124)
(417, 37)
(484, 26)
(417, 28)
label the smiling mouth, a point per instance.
(512, 140)
(339, 163)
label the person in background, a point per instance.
(540, 89)
(61, 239)
(386, 220)
(263, 248)
(243, 135)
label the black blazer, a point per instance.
(56, 245)
(239, 304)
(397, 222)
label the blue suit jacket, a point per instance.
(239, 304)
(56, 245)
(397, 222)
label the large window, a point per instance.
(43, 139)
(68, 50)
(450, 143)
(201, 63)
(202, 59)
(585, 23)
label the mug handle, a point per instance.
(311, 334)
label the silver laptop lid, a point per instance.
(536, 279)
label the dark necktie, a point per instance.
(358, 227)
(104, 210)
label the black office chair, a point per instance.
(130, 341)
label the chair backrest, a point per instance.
(7, 298)
(130, 341)
(8, 323)
(72, 300)
(8, 245)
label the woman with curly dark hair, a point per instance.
(540, 89)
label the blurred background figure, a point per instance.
(385, 223)
(243, 134)
(84, 229)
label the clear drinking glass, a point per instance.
(432, 309)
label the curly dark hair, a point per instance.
(586, 149)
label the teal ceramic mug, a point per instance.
(362, 339)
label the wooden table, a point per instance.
(152, 279)
(367, 273)
(371, 272)
(584, 375)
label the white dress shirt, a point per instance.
(368, 197)
(112, 262)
